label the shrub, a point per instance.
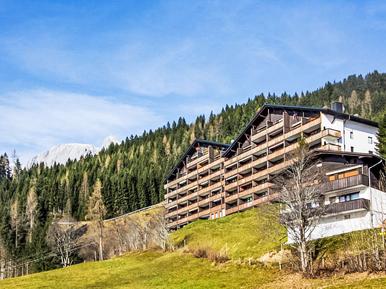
(210, 254)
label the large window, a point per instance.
(348, 197)
(343, 175)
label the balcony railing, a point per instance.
(331, 209)
(346, 183)
(358, 204)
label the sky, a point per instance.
(79, 71)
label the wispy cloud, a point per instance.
(37, 119)
(167, 58)
(134, 68)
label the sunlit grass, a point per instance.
(147, 270)
(243, 235)
(248, 234)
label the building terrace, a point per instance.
(212, 180)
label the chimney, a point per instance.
(337, 106)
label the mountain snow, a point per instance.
(108, 141)
(61, 153)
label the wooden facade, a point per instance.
(213, 180)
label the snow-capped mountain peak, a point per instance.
(61, 153)
(74, 151)
(108, 141)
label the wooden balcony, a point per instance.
(195, 183)
(267, 130)
(197, 160)
(231, 210)
(285, 150)
(340, 184)
(254, 203)
(249, 191)
(239, 182)
(331, 147)
(171, 204)
(172, 225)
(183, 199)
(210, 188)
(256, 189)
(171, 214)
(210, 176)
(291, 133)
(354, 205)
(218, 160)
(265, 199)
(210, 199)
(187, 208)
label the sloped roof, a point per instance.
(191, 150)
(265, 107)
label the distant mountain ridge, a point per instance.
(61, 153)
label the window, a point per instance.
(352, 149)
(332, 200)
(351, 134)
(343, 175)
(349, 197)
(370, 140)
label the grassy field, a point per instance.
(147, 270)
(243, 235)
(178, 270)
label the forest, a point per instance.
(130, 175)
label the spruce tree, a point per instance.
(381, 147)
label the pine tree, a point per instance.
(381, 147)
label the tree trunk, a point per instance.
(303, 256)
(100, 242)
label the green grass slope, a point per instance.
(147, 270)
(243, 235)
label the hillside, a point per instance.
(245, 234)
(131, 173)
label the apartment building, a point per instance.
(212, 180)
(350, 194)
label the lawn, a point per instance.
(243, 235)
(148, 270)
(179, 270)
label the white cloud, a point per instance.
(35, 120)
(139, 69)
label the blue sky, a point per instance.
(78, 71)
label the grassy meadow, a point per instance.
(241, 236)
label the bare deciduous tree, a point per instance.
(300, 197)
(65, 239)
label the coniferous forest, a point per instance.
(131, 173)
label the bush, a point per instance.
(210, 254)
